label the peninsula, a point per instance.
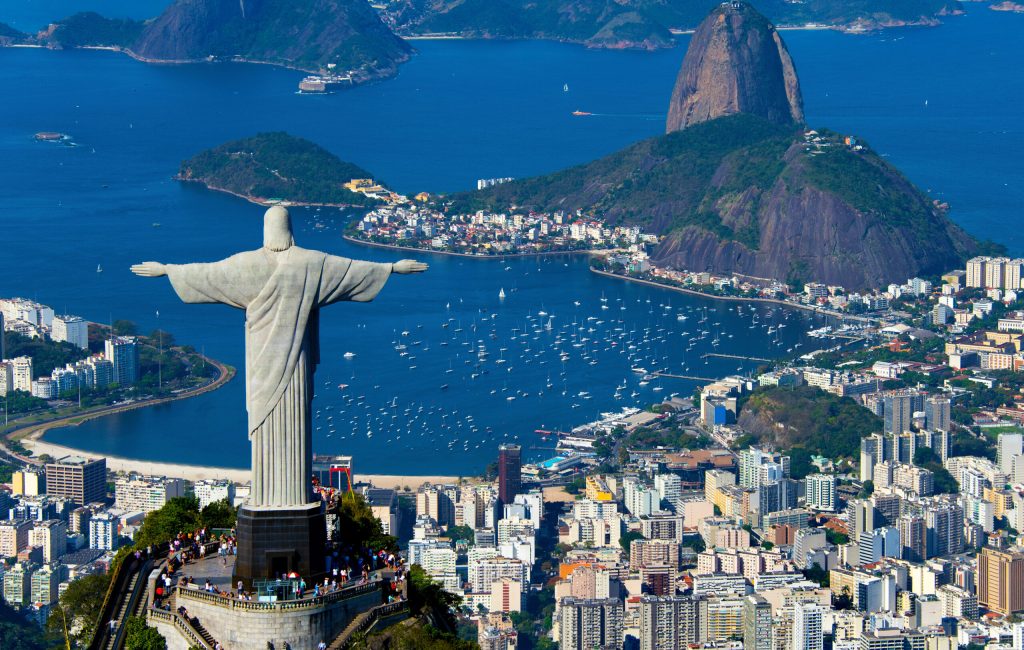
(277, 167)
(344, 36)
(740, 185)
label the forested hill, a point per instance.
(740, 194)
(276, 166)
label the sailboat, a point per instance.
(501, 294)
(565, 89)
(99, 268)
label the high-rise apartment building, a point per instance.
(146, 493)
(667, 622)
(123, 352)
(591, 624)
(807, 627)
(936, 413)
(71, 329)
(757, 623)
(821, 492)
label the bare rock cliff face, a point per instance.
(736, 63)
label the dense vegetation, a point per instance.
(634, 23)
(276, 166)
(809, 419)
(80, 604)
(664, 182)
(18, 633)
(182, 514)
(91, 29)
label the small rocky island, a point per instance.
(275, 167)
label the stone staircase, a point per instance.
(365, 621)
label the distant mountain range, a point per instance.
(739, 185)
(641, 23)
(303, 34)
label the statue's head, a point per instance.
(277, 229)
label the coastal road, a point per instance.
(34, 431)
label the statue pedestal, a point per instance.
(276, 540)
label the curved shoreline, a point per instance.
(265, 202)
(502, 256)
(30, 435)
(774, 301)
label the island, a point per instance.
(277, 167)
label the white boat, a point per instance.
(349, 355)
(565, 89)
(99, 268)
(501, 294)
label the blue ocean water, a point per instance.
(458, 111)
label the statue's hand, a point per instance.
(149, 269)
(408, 266)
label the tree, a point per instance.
(125, 328)
(219, 514)
(139, 636)
(867, 489)
(800, 463)
(357, 525)
(178, 515)
(627, 538)
(461, 532)
(18, 633)
(81, 604)
(427, 594)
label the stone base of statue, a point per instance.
(278, 540)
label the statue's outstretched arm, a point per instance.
(150, 269)
(405, 267)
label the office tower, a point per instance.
(807, 628)
(821, 492)
(78, 479)
(757, 623)
(510, 481)
(667, 622)
(898, 412)
(123, 352)
(1001, 580)
(71, 329)
(591, 624)
(913, 537)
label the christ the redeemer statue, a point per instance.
(281, 287)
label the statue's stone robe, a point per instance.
(281, 293)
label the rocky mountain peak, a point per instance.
(736, 63)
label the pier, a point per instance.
(734, 356)
(690, 377)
